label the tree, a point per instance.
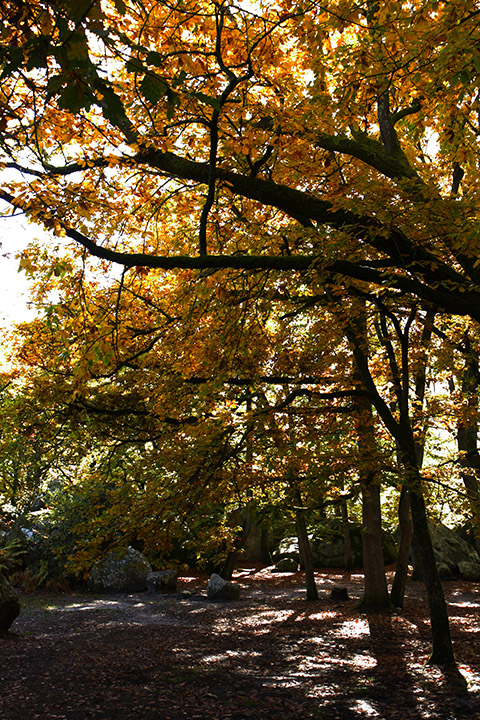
(401, 427)
(280, 139)
(32, 448)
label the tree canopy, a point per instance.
(338, 141)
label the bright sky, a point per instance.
(15, 234)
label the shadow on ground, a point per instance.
(269, 655)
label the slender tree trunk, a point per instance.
(401, 431)
(467, 438)
(347, 539)
(442, 649)
(375, 590)
(397, 593)
(306, 554)
(231, 561)
(375, 595)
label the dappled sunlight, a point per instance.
(465, 604)
(353, 628)
(260, 617)
(325, 615)
(365, 709)
(465, 624)
(325, 660)
(269, 654)
(363, 662)
(229, 655)
(472, 677)
(93, 604)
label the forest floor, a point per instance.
(270, 655)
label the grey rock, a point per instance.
(450, 549)
(469, 570)
(256, 533)
(390, 550)
(162, 581)
(286, 564)
(9, 604)
(120, 571)
(288, 547)
(328, 548)
(220, 589)
(444, 571)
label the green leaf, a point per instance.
(173, 102)
(55, 83)
(74, 98)
(180, 79)
(463, 77)
(77, 9)
(207, 100)
(112, 107)
(14, 59)
(63, 28)
(37, 51)
(154, 58)
(121, 7)
(153, 87)
(135, 66)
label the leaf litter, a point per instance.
(269, 655)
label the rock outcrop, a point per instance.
(220, 589)
(120, 571)
(328, 547)
(453, 554)
(162, 581)
(286, 564)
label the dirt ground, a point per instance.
(269, 655)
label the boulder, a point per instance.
(286, 564)
(255, 533)
(328, 548)
(390, 550)
(220, 589)
(469, 570)
(121, 571)
(444, 572)
(9, 604)
(451, 550)
(162, 581)
(287, 548)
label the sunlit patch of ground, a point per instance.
(269, 655)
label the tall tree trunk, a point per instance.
(375, 595)
(401, 431)
(442, 649)
(231, 561)
(305, 553)
(399, 584)
(470, 461)
(347, 538)
(467, 437)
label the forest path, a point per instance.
(268, 655)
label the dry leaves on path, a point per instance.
(269, 655)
